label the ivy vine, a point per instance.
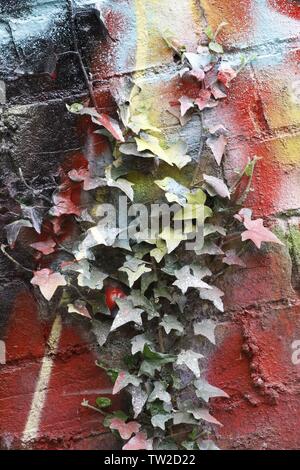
(144, 296)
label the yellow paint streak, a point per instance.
(154, 19)
(40, 394)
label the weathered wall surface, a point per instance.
(50, 362)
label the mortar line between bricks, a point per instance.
(41, 389)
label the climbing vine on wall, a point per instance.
(138, 288)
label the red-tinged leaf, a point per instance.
(257, 233)
(84, 175)
(138, 442)
(217, 146)
(226, 74)
(125, 429)
(106, 121)
(217, 93)
(232, 259)
(80, 308)
(217, 185)
(203, 99)
(48, 281)
(56, 223)
(47, 247)
(198, 74)
(124, 379)
(218, 129)
(186, 103)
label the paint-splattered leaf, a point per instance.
(170, 322)
(172, 238)
(206, 328)
(214, 295)
(92, 279)
(186, 279)
(160, 420)
(174, 192)
(13, 230)
(124, 379)
(139, 398)
(138, 343)
(47, 247)
(139, 442)
(217, 185)
(89, 182)
(226, 74)
(203, 414)
(80, 308)
(127, 313)
(125, 429)
(120, 183)
(48, 281)
(159, 393)
(186, 104)
(216, 47)
(190, 359)
(174, 155)
(203, 99)
(217, 146)
(106, 121)
(134, 268)
(206, 391)
(101, 330)
(257, 233)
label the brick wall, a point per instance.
(51, 362)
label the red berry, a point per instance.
(111, 294)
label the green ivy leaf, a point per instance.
(103, 402)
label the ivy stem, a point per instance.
(161, 340)
(91, 407)
(13, 260)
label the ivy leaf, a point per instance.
(79, 307)
(63, 204)
(232, 259)
(98, 235)
(101, 330)
(48, 281)
(174, 155)
(206, 391)
(134, 268)
(203, 414)
(197, 197)
(187, 279)
(92, 279)
(120, 183)
(139, 398)
(207, 444)
(216, 47)
(160, 251)
(139, 442)
(140, 122)
(203, 99)
(174, 192)
(139, 300)
(13, 230)
(190, 359)
(35, 214)
(170, 322)
(154, 361)
(257, 233)
(106, 121)
(217, 146)
(162, 290)
(159, 420)
(206, 328)
(226, 74)
(47, 247)
(172, 237)
(124, 379)
(213, 295)
(138, 343)
(159, 393)
(182, 417)
(217, 185)
(125, 429)
(89, 182)
(103, 402)
(127, 313)
(186, 103)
